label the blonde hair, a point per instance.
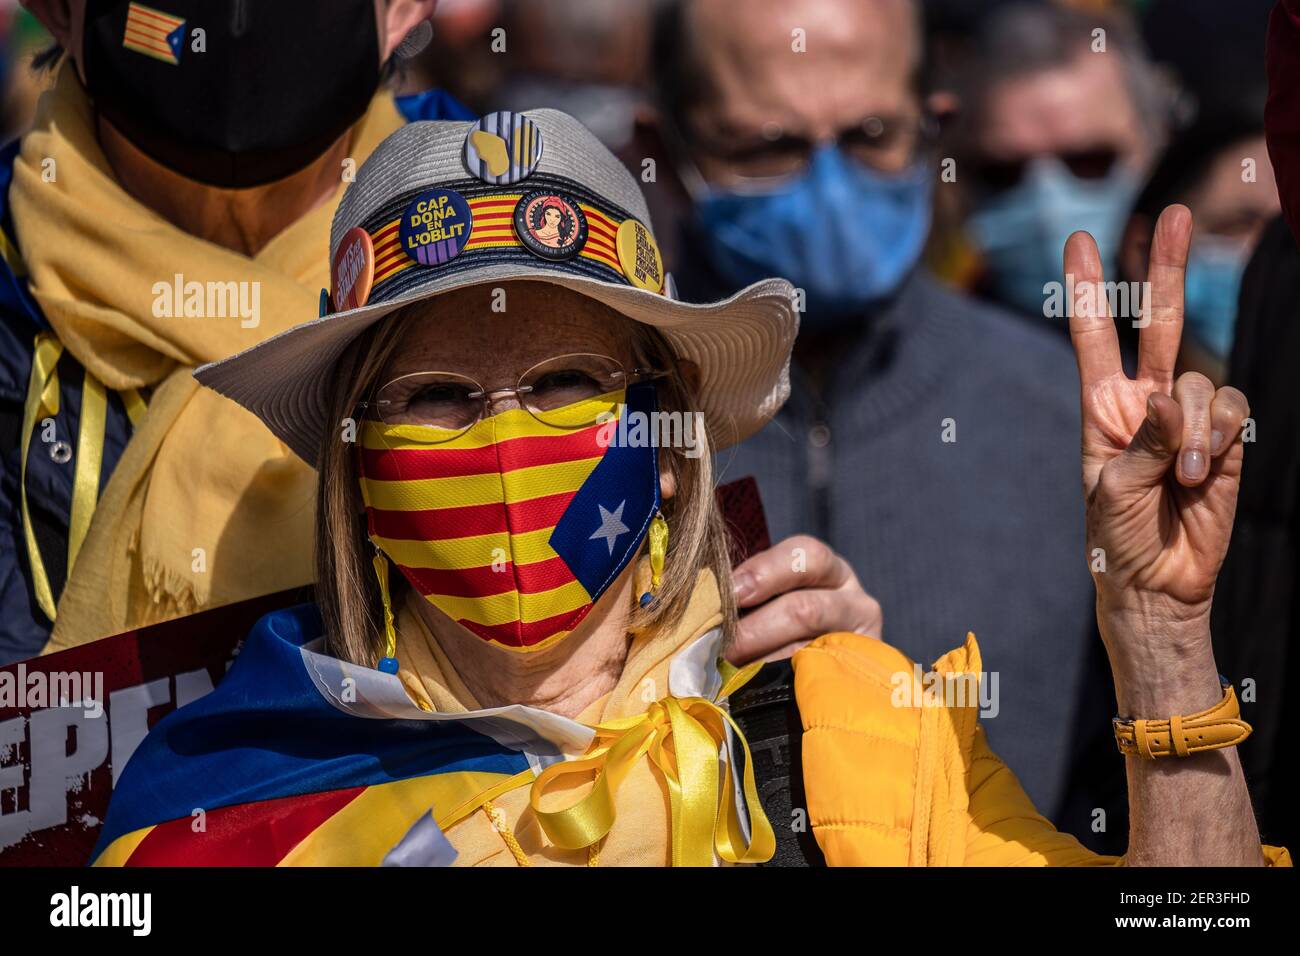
(346, 588)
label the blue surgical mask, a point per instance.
(1022, 231)
(844, 234)
(1214, 269)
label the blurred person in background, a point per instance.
(586, 57)
(1059, 127)
(1256, 614)
(1211, 50)
(148, 170)
(21, 38)
(818, 166)
(460, 57)
(1218, 168)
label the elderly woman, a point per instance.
(512, 425)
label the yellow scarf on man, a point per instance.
(205, 506)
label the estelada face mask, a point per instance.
(514, 527)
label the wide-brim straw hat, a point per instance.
(741, 345)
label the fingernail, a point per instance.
(1194, 464)
(1216, 442)
(742, 584)
(1151, 411)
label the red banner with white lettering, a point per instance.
(70, 721)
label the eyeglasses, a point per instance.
(887, 144)
(452, 403)
(1000, 175)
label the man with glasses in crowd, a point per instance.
(929, 439)
(1063, 121)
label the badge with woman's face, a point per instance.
(550, 225)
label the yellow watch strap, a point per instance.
(1213, 728)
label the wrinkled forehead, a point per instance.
(811, 66)
(502, 330)
(1083, 103)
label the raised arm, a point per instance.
(1162, 463)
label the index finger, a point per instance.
(801, 561)
(1159, 338)
(1092, 331)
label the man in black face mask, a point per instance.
(929, 440)
(169, 207)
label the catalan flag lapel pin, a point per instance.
(154, 33)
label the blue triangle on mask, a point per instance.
(605, 523)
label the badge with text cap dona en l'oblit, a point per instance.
(352, 272)
(436, 226)
(503, 148)
(550, 225)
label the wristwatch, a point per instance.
(1213, 728)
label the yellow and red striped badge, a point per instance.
(468, 521)
(154, 33)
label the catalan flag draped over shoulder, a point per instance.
(516, 527)
(298, 758)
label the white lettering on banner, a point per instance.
(191, 685)
(12, 776)
(109, 732)
(130, 709)
(55, 771)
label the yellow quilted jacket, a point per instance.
(895, 785)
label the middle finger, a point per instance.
(1194, 392)
(1158, 342)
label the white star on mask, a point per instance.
(611, 525)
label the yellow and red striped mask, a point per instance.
(515, 527)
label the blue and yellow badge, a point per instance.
(503, 148)
(435, 226)
(154, 33)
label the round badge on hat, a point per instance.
(550, 225)
(436, 226)
(353, 270)
(503, 147)
(638, 255)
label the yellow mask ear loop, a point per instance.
(389, 662)
(658, 536)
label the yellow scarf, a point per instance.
(642, 833)
(205, 506)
